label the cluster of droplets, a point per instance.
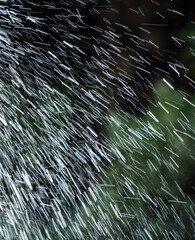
(75, 162)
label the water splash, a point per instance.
(96, 138)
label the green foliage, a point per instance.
(147, 190)
(187, 52)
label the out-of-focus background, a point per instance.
(139, 57)
(156, 145)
